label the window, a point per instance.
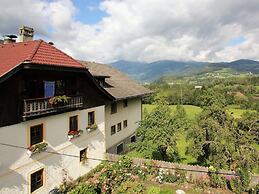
(83, 155)
(125, 124)
(36, 134)
(36, 180)
(113, 108)
(49, 89)
(118, 127)
(125, 103)
(91, 119)
(101, 82)
(133, 139)
(120, 148)
(73, 123)
(113, 129)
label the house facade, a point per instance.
(55, 119)
(123, 115)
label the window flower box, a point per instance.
(91, 128)
(74, 133)
(37, 148)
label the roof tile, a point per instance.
(121, 85)
(37, 51)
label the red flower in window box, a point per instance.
(73, 132)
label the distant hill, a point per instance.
(147, 72)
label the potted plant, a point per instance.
(40, 147)
(59, 100)
(92, 127)
(74, 133)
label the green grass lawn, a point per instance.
(191, 110)
(182, 145)
(236, 111)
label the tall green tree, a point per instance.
(157, 135)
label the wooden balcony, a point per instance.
(41, 106)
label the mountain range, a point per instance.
(147, 72)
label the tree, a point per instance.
(157, 135)
(180, 119)
(217, 140)
(250, 123)
(210, 97)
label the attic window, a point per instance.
(101, 82)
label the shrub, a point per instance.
(66, 186)
(84, 188)
(245, 178)
(203, 181)
(216, 180)
(235, 185)
(240, 184)
(153, 190)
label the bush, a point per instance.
(217, 181)
(84, 188)
(240, 184)
(235, 185)
(178, 176)
(245, 178)
(130, 187)
(153, 190)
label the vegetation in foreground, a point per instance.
(125, 177)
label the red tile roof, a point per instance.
(37, 51)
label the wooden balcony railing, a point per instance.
(40, 106)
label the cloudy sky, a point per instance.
(140, 30)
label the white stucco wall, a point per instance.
(131, 113)
(16, 166)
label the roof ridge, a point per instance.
(35, 50)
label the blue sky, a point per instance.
(236, 41)
(88, 11)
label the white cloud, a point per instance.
(144, 30)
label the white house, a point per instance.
(122, 116)
(55, 116)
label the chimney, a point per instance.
(9, 39)
(26, 34)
